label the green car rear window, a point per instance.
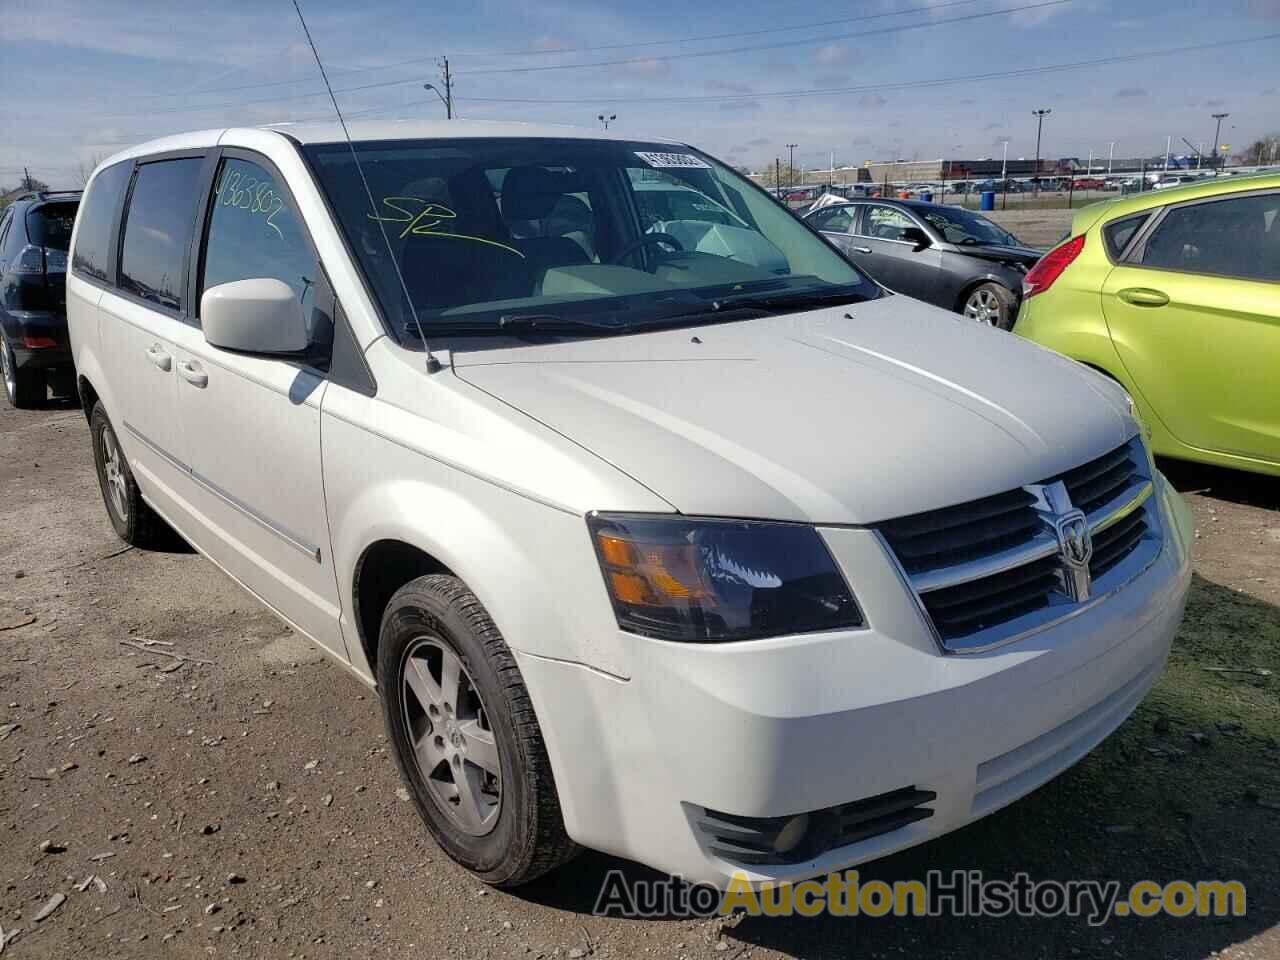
(1117, 235)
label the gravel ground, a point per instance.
(243, 803)
(1036, 228)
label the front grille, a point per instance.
(943, 538)
(969, 607)
(751, 840)
(994, 568)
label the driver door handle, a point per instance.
(160, 357)
(1143, 297)
(193, 373)
(861, 249)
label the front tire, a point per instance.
(135, 522)
(24, 389)
(991, 304)
(464, 734)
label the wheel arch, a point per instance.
(974, 283)
(382, 568)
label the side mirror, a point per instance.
(255, 316)
(916, 237)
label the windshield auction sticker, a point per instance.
(686, 160)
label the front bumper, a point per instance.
(791, 725)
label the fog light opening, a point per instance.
(791, 834)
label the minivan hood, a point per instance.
(848, 415)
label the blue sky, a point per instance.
(86, 79)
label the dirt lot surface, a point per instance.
(1036, 228)
(243, 803)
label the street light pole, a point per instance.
(607, 120)
(447, 79)
(1004, 174)
(1216, 134)
(1039, 115)
(1111, 155)
(792, 162)
(448, 109)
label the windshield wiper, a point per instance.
(798, 300)
(552, 323)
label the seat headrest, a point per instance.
(530, 193)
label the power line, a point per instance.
(703, 53)
(771, 46)
(262, 85)
(895, 85)
(241, 103)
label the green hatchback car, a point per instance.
(1176, 295)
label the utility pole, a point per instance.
(792, 161)
(447, 79)
(1039, 115)
(1216, 134)
(777, 176)
(1168, 148)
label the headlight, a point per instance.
(677, 578)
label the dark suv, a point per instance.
(35, 233)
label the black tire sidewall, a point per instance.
(98, 424)
(1008, 303)
(416, 612)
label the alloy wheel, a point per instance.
(113, 469)
(453, 742)
(983, 307)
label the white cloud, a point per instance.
(832, 53)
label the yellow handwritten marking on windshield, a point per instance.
(425, 221)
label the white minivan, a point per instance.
(690, 545)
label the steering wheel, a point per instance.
(647, 240)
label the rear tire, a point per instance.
(24, 389)
(464, 734)
(134, 521)
(991, 304)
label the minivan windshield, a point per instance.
(577, 236)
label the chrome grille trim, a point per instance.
(987, 599)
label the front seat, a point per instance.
(530, 195)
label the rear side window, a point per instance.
(157, 230)
(1117, 235)
(1236, 237)
(94, 239)
(835, 220)
(255, 232)
(49, 225)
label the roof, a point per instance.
(1207, 187)
(331, 131)
(365, 130)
